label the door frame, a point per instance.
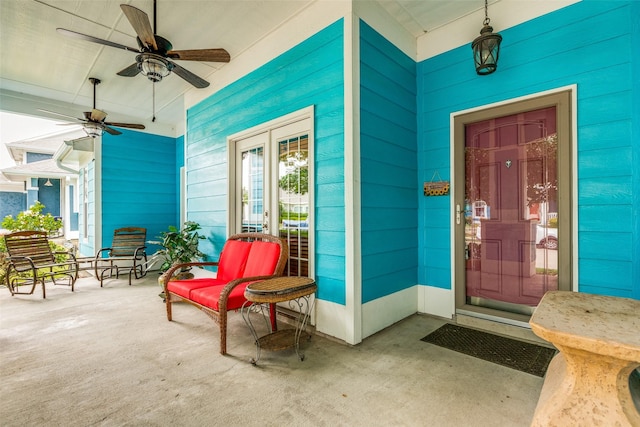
(276, 128)
(565, 99)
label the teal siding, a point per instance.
(309, 74)
(388, 169)
(592, 44)
(633, 239)
(137, 193)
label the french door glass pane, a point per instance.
(293, 201)
(252, 189)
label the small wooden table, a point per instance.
(587, 383)
(263, 295)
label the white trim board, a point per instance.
(385, 311)
(309, 21)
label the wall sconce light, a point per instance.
(48, 183)
(486, 47)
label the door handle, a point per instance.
(458, 214)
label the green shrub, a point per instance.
(33, 219)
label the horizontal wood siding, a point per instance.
(592, 44)
(138, 183)
(309, 74)
(388, 169)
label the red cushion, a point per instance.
(210, 297)
(184, 287)
(262, 259)
(232, 260)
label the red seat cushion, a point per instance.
(262, 259)
(232, 260)
(184, 287)
(210, 297)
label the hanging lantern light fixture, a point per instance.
(486, 47)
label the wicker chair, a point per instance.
(245, 258)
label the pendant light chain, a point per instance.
(486, 13)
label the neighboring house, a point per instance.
(37, 177)
(381, 114)
(12, 197)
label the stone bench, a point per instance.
(588, 381)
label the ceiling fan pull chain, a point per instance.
(153, 119)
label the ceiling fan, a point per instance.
(94, 121)
(155, 54)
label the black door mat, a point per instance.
(530, 358)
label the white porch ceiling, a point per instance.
(40, 68)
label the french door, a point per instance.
(273, 182)
(513, 211)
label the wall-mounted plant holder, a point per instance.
(436, 188)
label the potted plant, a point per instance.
(180, 246)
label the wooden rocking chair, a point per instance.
(31, 261)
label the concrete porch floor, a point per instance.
(108, 356)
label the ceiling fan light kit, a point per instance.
(154, 67)
(92, 129)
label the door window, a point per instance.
(293, 201)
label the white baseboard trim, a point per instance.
(436, 301)
(385, 311)
(332, 319)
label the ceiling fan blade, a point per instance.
(97, 115)
(61, 115)
(125, 125)
(131, 71)
(205, 55)
(189, 76)
(85, 37)
(141, 24)
(110, 130)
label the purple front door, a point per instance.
(511, 205)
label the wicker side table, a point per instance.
(260, 295)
